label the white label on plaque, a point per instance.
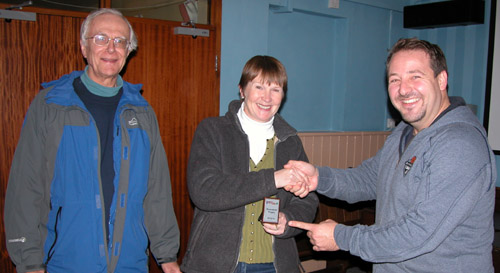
(270, 210)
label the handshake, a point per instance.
(297, 177)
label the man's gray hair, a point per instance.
(86, 24)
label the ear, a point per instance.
(83, 48)
(242, 94)
(442, 80)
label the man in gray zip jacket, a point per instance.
(434, 179)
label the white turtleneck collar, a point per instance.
(258, 133)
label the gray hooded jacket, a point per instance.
(435, 199)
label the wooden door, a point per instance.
(178, 74)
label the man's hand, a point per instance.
(172, 267)
(305, 172)
(320, 235)
(38, 271)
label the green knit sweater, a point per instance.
(257, 244)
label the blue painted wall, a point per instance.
(335, 58)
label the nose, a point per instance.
(111, 46)
(404, 88)
(266, 95)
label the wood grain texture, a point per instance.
(341, 150)
(177, 72)
(30, 53)
(181, 84)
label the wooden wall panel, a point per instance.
(30, 53)
(177, 72)
(341, 150)
(181, 84)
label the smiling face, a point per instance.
(105, 62)
(262, 99)
(414, 90)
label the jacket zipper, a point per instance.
(278, 141)
(244, 208)
(100, 182)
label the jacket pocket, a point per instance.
(53, 232)
(198, 228)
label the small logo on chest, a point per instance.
(408, 165)
(133, 122)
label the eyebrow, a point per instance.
(416, 71)
(103, 33)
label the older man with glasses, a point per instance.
(89, 188)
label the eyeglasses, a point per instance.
(103, 40)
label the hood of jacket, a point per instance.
(458, 112)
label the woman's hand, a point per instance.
(276, 229)
(287, 178)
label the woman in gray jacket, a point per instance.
(236, 161)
